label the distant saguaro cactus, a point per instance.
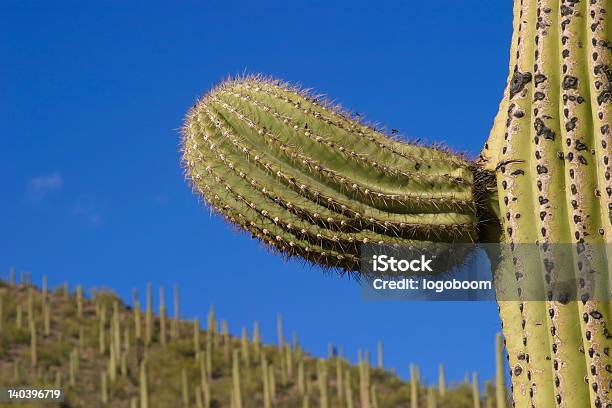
(310, 180)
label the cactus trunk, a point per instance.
(551, 148)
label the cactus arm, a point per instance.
(309, 181)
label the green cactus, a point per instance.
(500, 382)
(310, 180)
(196, 335)
(322, 383)
(414, 386)
(143, 386)
(162, 316)
(267, 398)
(441, 380)
(174, 329)
(237, 392)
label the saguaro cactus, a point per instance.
(310, 180)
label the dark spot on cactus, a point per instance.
(577, 219)
(542, 200)
(593, 370)
(571, 173)
(542, 130)
(518, 370)
(585, 317)
(605, 96)
(554, 348)
(518, 114)
(553, 331)
(539, 78)
(605, 129)
(560, 155)
(518, 82)
(543, 231)
(570, 156)
(509, 230)
(542, 215)
(571, 125)
(565, 11)
(504, 184)
(582, 159)
(570, 82)
(601, 231)
(541, 169)
(538, 155)
(539, 184)
(506, 200)
(557, 382)
(538, 96)
(596, 315)
(551, 312)
(585, 298)
(574, 204)
(580, 146)
(517, 216)
(517, 172)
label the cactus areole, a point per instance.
(311, 180)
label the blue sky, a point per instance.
(93, 95)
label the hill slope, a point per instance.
(103, 353)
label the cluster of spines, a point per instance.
(308, 180)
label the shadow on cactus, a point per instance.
(310, 180)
